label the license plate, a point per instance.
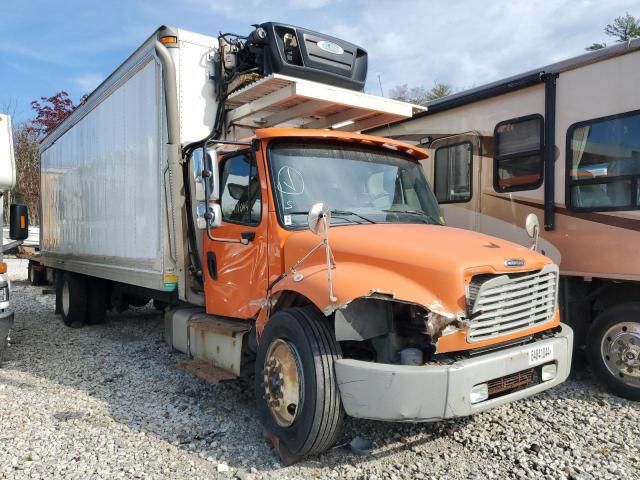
(540, 354)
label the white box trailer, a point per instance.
(107, 209)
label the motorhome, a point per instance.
(224, 178)
(562, 142)
(18, 229)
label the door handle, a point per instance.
(247, 237)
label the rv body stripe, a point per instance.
(613, 221)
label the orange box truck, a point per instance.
(223, 177)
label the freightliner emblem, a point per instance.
(514, 262)
(330, 47)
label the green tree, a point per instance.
(26, 145)
(420, 95)
(623, 29)
(49, 112)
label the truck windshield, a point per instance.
(360, 184)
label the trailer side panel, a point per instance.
(102, 193)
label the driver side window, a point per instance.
(240, 190)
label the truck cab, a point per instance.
(331, 245)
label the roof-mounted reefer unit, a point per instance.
(296, 52)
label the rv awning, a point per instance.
(279, 100)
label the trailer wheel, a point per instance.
(613, 348)
(297, 394)
(98, 296)
(73, 300)
(58, 276)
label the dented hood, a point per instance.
(413, 262)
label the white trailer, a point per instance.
(18, 227)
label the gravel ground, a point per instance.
(109, 402)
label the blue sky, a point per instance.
(73, 45)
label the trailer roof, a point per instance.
(523, 80)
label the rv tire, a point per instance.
(613, 348)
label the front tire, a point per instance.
(297, 395)
(73, 301)
(613, 349)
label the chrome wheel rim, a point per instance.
(620, 351)
(65, 298)
(282, 382)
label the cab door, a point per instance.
(456, 175)
(235, 260)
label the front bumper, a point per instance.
(435, 392)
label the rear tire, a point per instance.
(98, 297)
(297, 395)
(613, 348)
(73, 295)
(59, 276)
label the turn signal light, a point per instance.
(3, 267)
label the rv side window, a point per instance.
(453, 173)
(518, 162)
(603, 164)
(240, 190)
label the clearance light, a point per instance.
(549, 371)
(479, 393)
(169, 40)
(3, 267)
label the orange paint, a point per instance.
(428, 265)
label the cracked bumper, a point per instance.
(435, 392)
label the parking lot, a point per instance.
(108, 401)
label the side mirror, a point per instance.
(318, 218)
(18, 222)
(532, 225)
(213, 217)
(206, 175)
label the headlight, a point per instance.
(4, 293)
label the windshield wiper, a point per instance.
(347, 212)
(422, 213)
(337, 213)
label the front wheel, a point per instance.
(296, 389)
(613, 348)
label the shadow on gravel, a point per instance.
(127, 369)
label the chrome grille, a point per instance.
(503, 304)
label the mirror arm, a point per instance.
(329, 258)
(534, 247)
